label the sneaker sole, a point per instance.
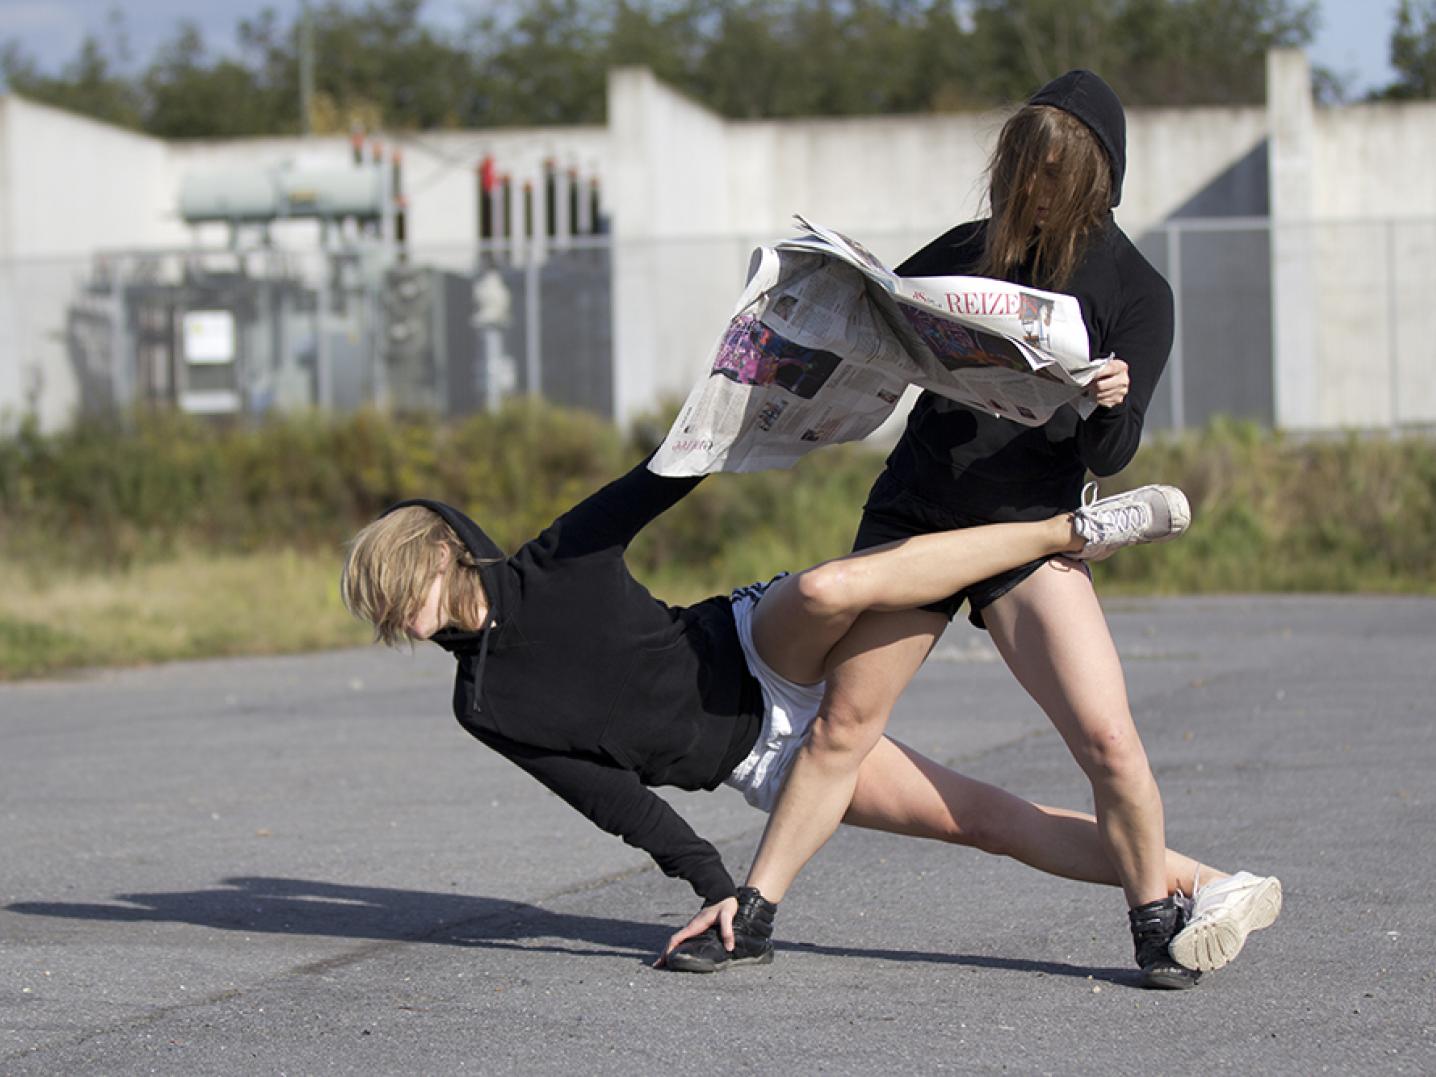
(1169, 979)
(1211, 944)
(684, 963)
(1181, 511)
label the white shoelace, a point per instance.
(1132, 517)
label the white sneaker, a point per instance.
(1146, 514)
(1222, 915)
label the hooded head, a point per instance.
(1054, 177)
(392, 564)
(1084, 95)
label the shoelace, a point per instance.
(1128, 518)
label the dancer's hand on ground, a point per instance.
(720, 913)
(1109, 388)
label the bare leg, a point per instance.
(1051, 631)
(901, 791)
(802, 617)
(852, 622)
(868, 670)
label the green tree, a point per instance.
(540, 62)
(545, 61)
(1413, 51)
(383, 53)
(1154, 52)
(188, 97)
(92, 84)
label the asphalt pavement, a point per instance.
(302, 865)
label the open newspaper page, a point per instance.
(806, 360)
(825, 338)
(1018, 352)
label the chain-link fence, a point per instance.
(451, 331)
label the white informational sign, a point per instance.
(209, 402)
(209, 336)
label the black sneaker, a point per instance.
(1153, 926)
(752, 930)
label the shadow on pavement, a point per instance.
(384, 914)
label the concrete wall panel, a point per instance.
(689, 194)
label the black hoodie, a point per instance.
(992, 468)
(598, 689)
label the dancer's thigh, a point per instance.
(1052, 633)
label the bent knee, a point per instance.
(1114, 756)
(847, 729)
(827, 590)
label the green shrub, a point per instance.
(1271, 512)
(1275, 513)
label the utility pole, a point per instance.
(306, 69)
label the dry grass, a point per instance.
(195, 605)
(127, 585)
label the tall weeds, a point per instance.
(1271, 513)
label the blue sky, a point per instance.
(1353, 38)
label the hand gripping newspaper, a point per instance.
(825, 338)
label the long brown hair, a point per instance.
(392, 562)
(1036, 139)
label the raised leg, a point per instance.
(802, 617)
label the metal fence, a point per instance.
(1222, 360)
(451, 331)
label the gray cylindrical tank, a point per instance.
(240, 195)
(276, 194)
(332, 192)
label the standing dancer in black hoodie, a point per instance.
(568, 667)
(1055, 176)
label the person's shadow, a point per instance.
(253, 904)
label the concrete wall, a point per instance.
(893, 182)
(1354, 257)
(676, 266)
(68, 186)
(71, 185)
(1375, 264)
(1353, 239)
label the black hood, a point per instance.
(1086, 96)
(499, 585)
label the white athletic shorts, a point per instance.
(788, 713)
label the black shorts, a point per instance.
(894, 512)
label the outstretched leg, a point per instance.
(802, 617)
(901, 791)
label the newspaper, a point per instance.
(825, 339)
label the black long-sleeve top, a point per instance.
(996, 469)
(598, 689)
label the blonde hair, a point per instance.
(392, 562)
(1034, 139)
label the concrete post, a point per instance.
(1291, 124)
(667, 193)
